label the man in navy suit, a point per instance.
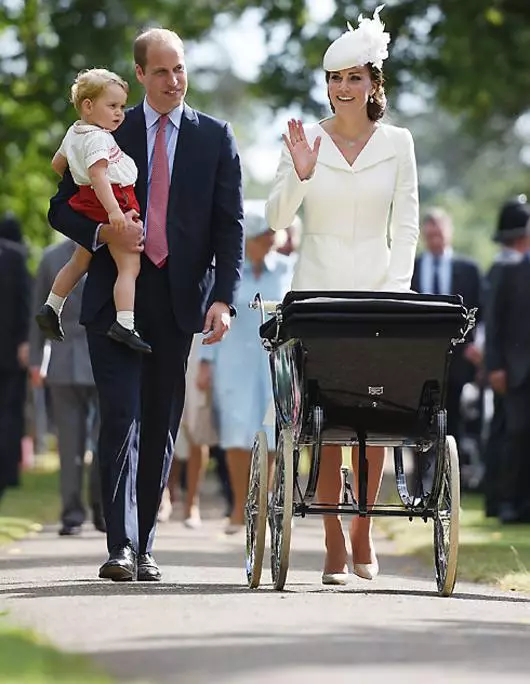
(439, 270)
(190, 289)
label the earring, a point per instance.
(371, 99)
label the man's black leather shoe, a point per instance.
(129, 337)
(49, 323)
(70, 530)
(121, 564)
(148, 570)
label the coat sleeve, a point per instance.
(43, 283)
(495, 319)
(67, 221)
(23, 286)
(477, 298)
(227, 222)
(287, 193)
(404, 227)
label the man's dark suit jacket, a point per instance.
(466, 281)
(508, 323)
(204, 219)
(15, 286)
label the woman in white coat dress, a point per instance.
(356, 179)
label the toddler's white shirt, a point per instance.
(85, 144)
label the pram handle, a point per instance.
(266, 307)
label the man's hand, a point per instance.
(23, 354)
(217, 323)
(130, 239)
(36, 378)
(497, 380)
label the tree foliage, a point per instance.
(471, 57)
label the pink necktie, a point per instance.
(156, 248)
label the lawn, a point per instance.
(34, 503)
(489, 552)
(25, 658)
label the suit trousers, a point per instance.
(141, 397)
(493, 456)
(12, 398)
(77, 424)
(514, 482)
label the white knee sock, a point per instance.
(56, 302)
(126, 318)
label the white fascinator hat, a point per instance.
(368, 43)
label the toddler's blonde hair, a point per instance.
(89, 84)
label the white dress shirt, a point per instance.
(85, 144)
(445, 272)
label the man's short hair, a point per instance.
(437, 215)
(150, 37)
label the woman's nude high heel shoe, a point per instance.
(337, 578)
(367, 571)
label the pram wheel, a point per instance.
(446, 521)
(281, 509)
(256, 510)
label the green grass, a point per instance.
(489, 552)
(25, 658)
(34, 503)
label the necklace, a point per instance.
(351, 142)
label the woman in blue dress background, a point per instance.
(237, 370)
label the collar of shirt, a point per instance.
(507, 255)
(446, 255)
(152, 116)
(444, 273)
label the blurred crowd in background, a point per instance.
(48, 402)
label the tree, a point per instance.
(470, 57)
(45, 44)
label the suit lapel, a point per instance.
(186, 150)
(377, 149)
(457, 285)
(330, 154)
(133, 140)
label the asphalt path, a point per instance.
(201, 624)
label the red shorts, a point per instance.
(85, 201)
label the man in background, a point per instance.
(68, 374)
(438, 270)
(508, 363)
(512, 230)
(15, 289)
